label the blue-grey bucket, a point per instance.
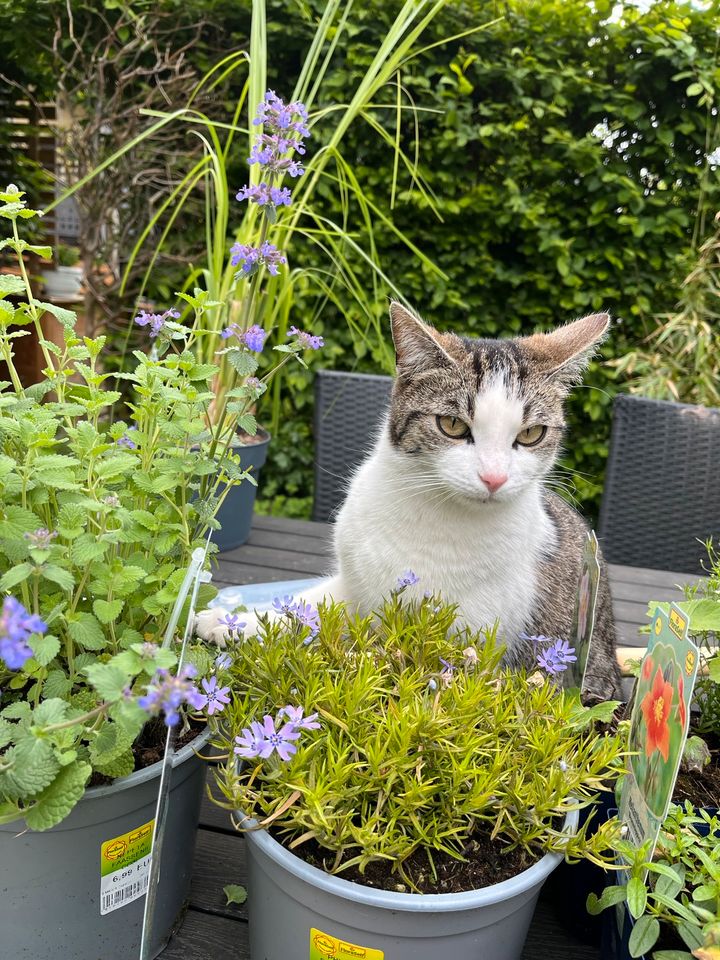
(50, 882)
(296, 910)
(236, 513)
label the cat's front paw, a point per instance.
(212, 625)
(218, 625)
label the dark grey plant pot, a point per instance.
(236, 513)
(292, 904)
(50, 881)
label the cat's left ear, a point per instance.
(566, 352)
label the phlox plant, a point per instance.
(377, 736)
(679, 888)
(99, 519)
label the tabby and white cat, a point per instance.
(454, 489)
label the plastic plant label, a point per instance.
(659, 726)
(125, 867)
(583, 622)
(323, 946)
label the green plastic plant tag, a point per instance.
(659, 726)
(583, 622)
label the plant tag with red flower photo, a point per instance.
(583, 622)
(659, 725)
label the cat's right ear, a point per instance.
(417, 345)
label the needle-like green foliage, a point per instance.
(424, 740)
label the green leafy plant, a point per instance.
(68, 256)
(400, 731)
(99, 520)
(679, 888)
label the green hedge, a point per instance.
(542, 219)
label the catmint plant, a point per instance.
(401, 731)
(99, 517)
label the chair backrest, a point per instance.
(662, 489)
(349, 408)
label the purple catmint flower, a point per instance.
(40, 539)
(250, 259)
(127, 441)
(306, 340)
(232, 623)
(408, 579)
(16, 627)
(215, 697)
(275, 114)
(112, 500)
(556, 657)
(265, 195)
(167, 693)
(295, 716)
(156, 321)
(254, 338)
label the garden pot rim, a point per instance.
(149, 773)
(409, 902)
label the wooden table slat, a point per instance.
(206, 937)
(272, 558)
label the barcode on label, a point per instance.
(122, 886)
(116, 898)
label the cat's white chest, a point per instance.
(485, 557)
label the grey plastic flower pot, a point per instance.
(236, 513)
(50, 882)
(298, 911)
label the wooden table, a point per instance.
(280, 549)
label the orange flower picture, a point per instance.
(655, 708)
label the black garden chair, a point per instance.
(349, 409)
(661, 500)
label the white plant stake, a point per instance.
(193, 578)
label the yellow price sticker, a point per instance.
(323, 946)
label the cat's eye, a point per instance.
(453, 427)
(531, 435)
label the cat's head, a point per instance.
(484, 418)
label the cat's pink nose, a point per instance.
(493, 481)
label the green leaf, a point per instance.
(107, 611)
(34, 765)
(10, 283)
(108, 679)
(248, 423)
(16, 521)
(44, 648)
(671, 879)
(609, 897)
(67, 318)
(671, 955)
(243, 362)
(694, 90)
(235, 893)
(86, 631)
(691, 934)
(63, 578)
(59, 798)
(53, 710)
(87, 549)
(57, 684)
(16, 575)
(644, 935)
(122, 766)
(636, 897)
